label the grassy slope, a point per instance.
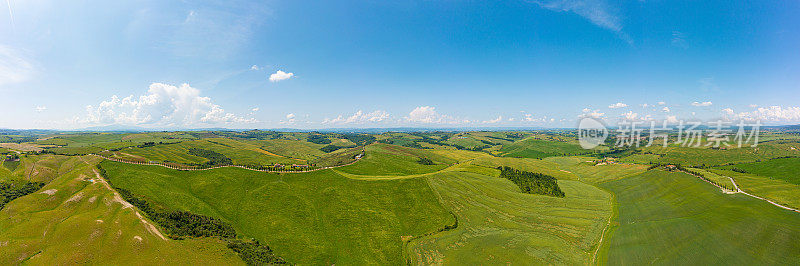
(81, 223)
(535, 148)
(526, 164)
(786, 169)
(675, 218)
(498, 224)
(241, 153)
(291, 148)
(384, 159)
(777, 190)
(311, 218)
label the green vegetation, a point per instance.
(787, 169)
(11, 191)
(214, 158)
(307, 218)
(675, 218)
(456, 198)
(532, 183)
(499, 225)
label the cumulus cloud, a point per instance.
(162, 105)
(14, 67)
(255, 109)
(428, 115)
(598, 12)
(617, 105)
(661, 103)
(41, 108)
(771, 114)
(753, 105)
(665, 109)
(701, 104)
(359, 117)
(280, 75)
(254, 67)
(591, 114)
(494, 121)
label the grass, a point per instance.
(78, 221)
(240, 152)
(777, 190)
(675, 218)
(310, 218)
(689, 156)
(719, 179)
(786, 169)
(386, 160)
(536, 148)
(499, 225)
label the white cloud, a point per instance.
(359, 117)
(671, 119)
(665, 109)
(599, 12)
(162, 105)
(772, 114)
(254, 67)
(591, 114)
(630, 116)
(14, 68)
(661, 103)
(41, 108)
(644, 105)
(428, 115)
(728, 111)
(701, 104)
(280, 75)
(494, 121)
(424, 114)
(255, 109)
(290, 119)
(617, 105)
(753, 105)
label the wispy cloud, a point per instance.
(14, 67)
(617, 105)
(679, 39)
(599, 12)
(701, 104)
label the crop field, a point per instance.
(382, 159)
(241, 153)
(499, 225)
(536, 148)
(312, 218)
(675, 218)
(417, 198)
(786, 169)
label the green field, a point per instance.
(499, 225)
(536, 148)
(675, 218)
(313, 218)
(75, 219)
(786, 169)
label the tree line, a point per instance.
(532, 183)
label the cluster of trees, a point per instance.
(214, 158)
(254, 253)
(330, 148)
(147, 144)
(740, 170)
(181, 224)
(318, 139)
(532, 183)
(358, 139)
(425, 161)
(11, 191)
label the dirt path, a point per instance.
(118, 198)
(739, 190)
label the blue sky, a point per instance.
(191, 64)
